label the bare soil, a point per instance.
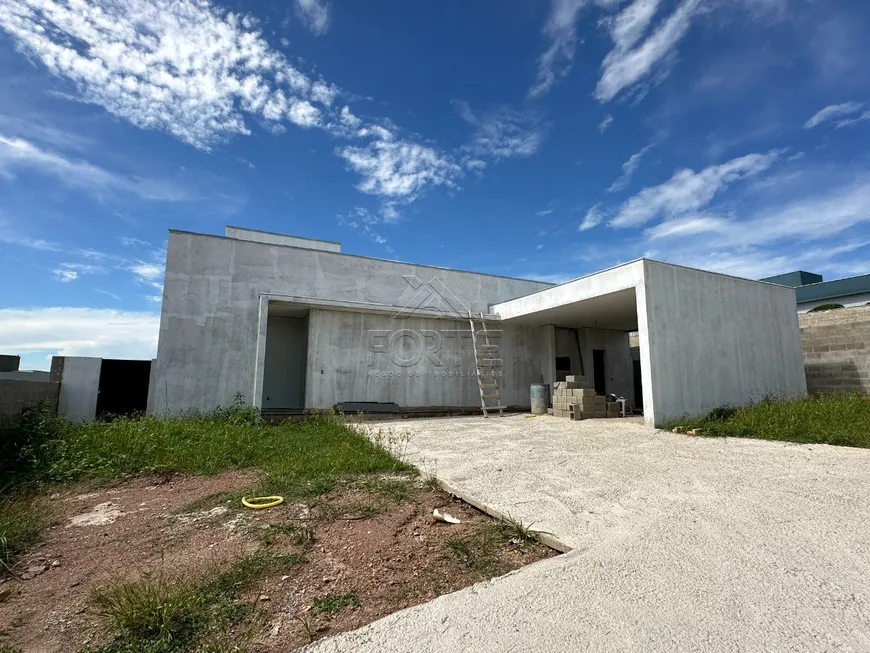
(387, 552)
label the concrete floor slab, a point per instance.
(679, 543)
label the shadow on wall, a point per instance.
(824, 378)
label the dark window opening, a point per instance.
(123, 387)
(563, 363)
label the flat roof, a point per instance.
(603, 300)
(833, 289)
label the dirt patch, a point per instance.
(370, 549)
(114, 530)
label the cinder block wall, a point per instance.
(836, 346)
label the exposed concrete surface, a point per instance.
(210, 322)
(18, 394)
(79, 386)
(713, 340)
(680, 543)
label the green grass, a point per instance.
(837, 419)
(22, 519)
(296, 459)
(480, 549)
(157, 614)
(330, 605)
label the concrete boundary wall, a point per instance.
(18, 394)
(836, 349)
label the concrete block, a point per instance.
(585, 392)
(599, 399)
(549, 411)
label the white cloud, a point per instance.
(543, 212)
(198, 72)
(362, 220)
(9, 237)
(851, 121)
(79, 332)
(604, 124)
(628, 169)
(560, 30)
(67, 272)
(303, 113)
(504, 133)
(398, 169)
(315, 15)
(324, 93)
(348, 119)
(832, 112)
(689, 191)
(689, 225)
(629, 25)
(593, 218)
(185, 67)
(16, 153)
(626, 65)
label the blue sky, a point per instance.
(532, 139)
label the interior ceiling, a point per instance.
(616, 311)
(287, 309)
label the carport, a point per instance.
(705, 339)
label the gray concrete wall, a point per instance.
(710, 340)
(617, 359)
(9, 362)
(836, 347)
(26, 375)
(285, 363)
(17, 394)
(281, 239)
(208, 344)
(79, 386)
(414, 362)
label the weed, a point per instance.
(158, 614)
(22, 519)
(480, 548)
(461, 549)
(431, 484)
(301, 535)
(515, 533)
(329, 605)
(305, 621)
(395, 488)
(5, 648)
(837, 419)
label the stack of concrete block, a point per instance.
(575, 399)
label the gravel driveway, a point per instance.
(678, 543)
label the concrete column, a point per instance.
(260, 364)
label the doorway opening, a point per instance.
(286, 360)
(598, 371)
(123, 388)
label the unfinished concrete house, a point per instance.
(295, 324)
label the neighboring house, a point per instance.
(811, 289)
(296, 324)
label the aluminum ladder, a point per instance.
(483, 359)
